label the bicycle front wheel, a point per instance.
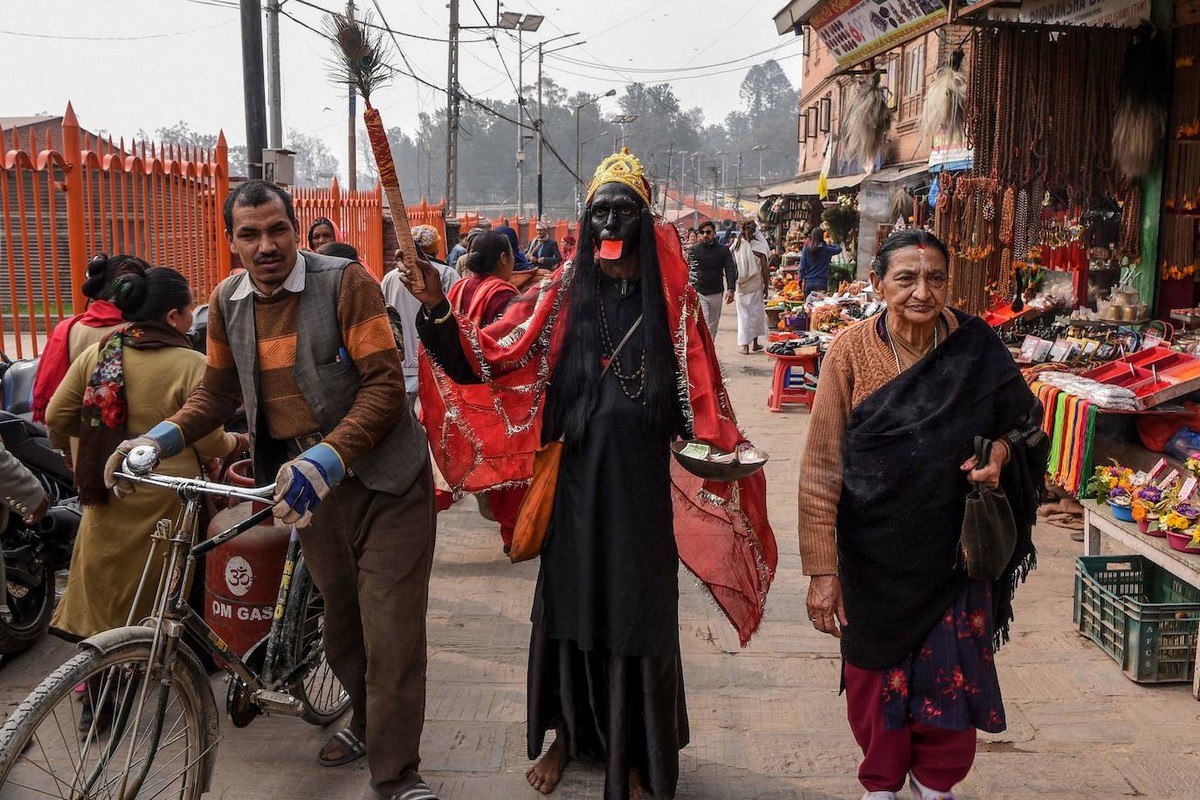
(321, 691)
(123, 736)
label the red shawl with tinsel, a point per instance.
(483, 436)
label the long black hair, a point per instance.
(909, 237)
(575, 384)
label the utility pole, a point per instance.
(670, 166)
(538, 131)
(274, 109)
(452, 117)
(737, 186)
(253, 92)
(351, 143)
(520, 126)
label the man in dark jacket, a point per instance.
(711, 268)
(543, 251)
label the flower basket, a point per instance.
(1182, 542)
(1121, 511)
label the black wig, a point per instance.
(575, 384)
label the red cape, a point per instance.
(483, 436)
(56, 358)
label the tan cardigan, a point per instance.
(858, 364)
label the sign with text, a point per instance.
(855, 30)
(1116, 13)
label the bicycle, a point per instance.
(154, 726)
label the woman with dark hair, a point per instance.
(485, 293)
(883, 487)
(75, 334)
(116, 389)
(815, 259)
(322, 232)
(607, 355)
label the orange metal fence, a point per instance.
(359, 216)
(91, 195)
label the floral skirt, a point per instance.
(951, 681)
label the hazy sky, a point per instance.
(142, 64)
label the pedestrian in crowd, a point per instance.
(459, 262)
(815, 259)
(711, 271)
(459, 250)
(303, 341)
(543, 251)
(76, 333)
(568, 247)
(883, 486)
(604, 661)
(482, 298)
(520, 262)
(118, 389)
(322, 232)
(750, 255)
(406, 306)
(23, 493)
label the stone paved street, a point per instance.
(766, 721)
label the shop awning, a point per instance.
(794, 12)
(896, 174)
(808, 187)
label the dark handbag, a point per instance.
(533, 517)
(989, 532)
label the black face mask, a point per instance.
(615, 216)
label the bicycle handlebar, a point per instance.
(138, 465)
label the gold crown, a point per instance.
(625, 168)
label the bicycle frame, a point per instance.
(172, 614)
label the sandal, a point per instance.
(418, 791)
(344, 741)
(745, 349)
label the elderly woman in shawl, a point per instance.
(750, 255)
(883, 488)
(604, 661)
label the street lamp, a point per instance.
(761, 148)
(514, 20)
(622, 120)
(579, 152)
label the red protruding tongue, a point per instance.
(610, 249)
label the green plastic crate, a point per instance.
(1143, 616)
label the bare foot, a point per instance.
(545, 774)
(636, 790)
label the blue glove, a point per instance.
(304, 482)
(165, 437)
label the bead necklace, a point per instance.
(623, 380)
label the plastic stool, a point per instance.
(787, 384)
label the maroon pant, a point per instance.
(938, 758)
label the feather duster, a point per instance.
(359, 61)
(1141, 120)
(944, 100)
(867, 121)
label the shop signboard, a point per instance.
(855, 30)
(945, 154)
(1114, 13)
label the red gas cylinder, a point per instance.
(241, 577)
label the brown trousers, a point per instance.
(370, 554)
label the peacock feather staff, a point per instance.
(359, 62)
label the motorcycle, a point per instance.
(32, 553)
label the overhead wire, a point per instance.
(28, 35)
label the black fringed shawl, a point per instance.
(903, 495)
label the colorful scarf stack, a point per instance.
(1070, 422)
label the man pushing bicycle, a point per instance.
(303, 341)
